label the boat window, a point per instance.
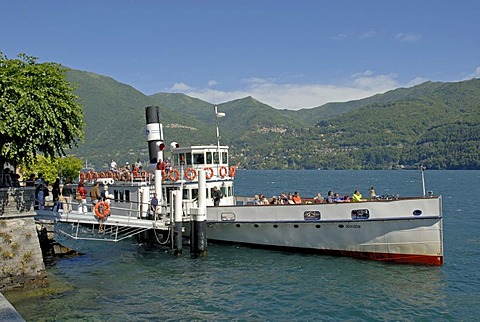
(194, 193)
(185, 194)
(127, 195)
(198, 158)
(121, 196)
(175, 158)
(215, 157)
(223, 190)
(209, 158)
(225, 157)
(228, 216)
(115, 195)
(188, 158)
(360, 214)
(312, 215)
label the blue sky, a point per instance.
(288, 54)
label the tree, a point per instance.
(38, 111)
(51, 168)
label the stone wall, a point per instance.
(21, 260)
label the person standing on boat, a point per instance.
(296, 198)
(373, 194)
(113, 165)
(95, 194)
(82, 207)
(357, 196)
(217, 195)
(154, 205)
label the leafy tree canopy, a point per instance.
(39, 112)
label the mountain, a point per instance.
(433, 123)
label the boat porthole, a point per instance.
(417, 212)
(340, 226)
(238, 225)
(256, 226)
(275, 226)
(296, 226)
(318, 226)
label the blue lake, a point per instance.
(130, 282)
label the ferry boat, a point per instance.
(399, 230)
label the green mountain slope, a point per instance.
(432, 123)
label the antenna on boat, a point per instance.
(217, 116)
(422, 169)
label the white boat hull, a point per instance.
(403, 231)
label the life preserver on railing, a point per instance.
(233, 170)
(94, 175)
(116, 176)
(82, 176)
(164, 175)
(102, 210)
(208, 172)
(190, 173)
(126, 176)
(174, 175)
(223, 171)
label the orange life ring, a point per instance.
(102, 210)
(115, 176)
(223, 171)
(209, 173)
(126, 176)
(233, 170)
(164, 175)
(82, 176)
(177, 175)
(190, 173)
(94, 175)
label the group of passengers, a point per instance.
(295, 198)
(283, 199)
(134, 169)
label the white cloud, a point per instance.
(408, 37)
(297, 96)
(212, 83)
(180, 87)
(475, 74)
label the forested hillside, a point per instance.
(435, 124)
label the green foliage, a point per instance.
(38, 111)
(51, 168)
(436, 124)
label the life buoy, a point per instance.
(233, 170)
(94, 175)
(82, 176)
(190, 173)
(223, 171)
(208, 173)
(174, 175)
(164, 175)
(115, 176)
(102, 210)
(126, 176)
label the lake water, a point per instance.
(130, 282)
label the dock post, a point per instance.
(198, 221)
(178, 216)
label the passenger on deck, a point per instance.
(138, 164)
(216, 195)
(275, 200)
(113, 165)
(127, 167)
(330, 196)
(357, 196)
(296, 198)
(373, 194)
(290, 199)
(95, 194)
(284, 198)
(264, 200)
(346, 198)
(318, 198)
(336, 198)
(154, 205)
(256, 200)
(82, 206)
(106, 196)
